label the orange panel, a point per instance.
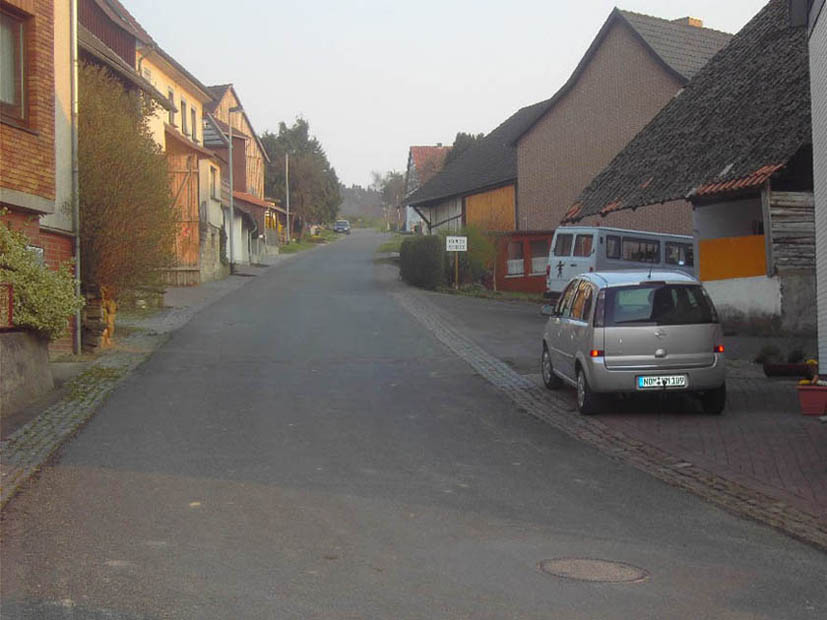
(732, 257)
(493, 210)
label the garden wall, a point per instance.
(24, 370)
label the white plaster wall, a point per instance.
(61, 219)
(215, 217)
(759, 296)
(730, 219)
(818, 85)
(411, 219)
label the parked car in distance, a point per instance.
(578, 249)
(634, 332)
(342, 226)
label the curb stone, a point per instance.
(542, 404)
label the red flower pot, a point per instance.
(813, 399)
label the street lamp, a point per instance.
(237, 108)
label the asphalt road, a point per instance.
(304, 449)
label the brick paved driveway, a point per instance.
(761, 441)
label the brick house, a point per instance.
(424, 162)
(737, 144)
(36, 131)
(249, 160)
(635, 65)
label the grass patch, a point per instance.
(308, 242)
(80, 387)
(392, 245)
(477, 290)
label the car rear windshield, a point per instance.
(658, 304)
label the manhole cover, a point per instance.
(587, 569)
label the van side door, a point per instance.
(555, 336)
(577, 329)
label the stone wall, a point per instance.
(24, 369)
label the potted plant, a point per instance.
(812, 393)
(774, 366)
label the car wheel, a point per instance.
(551, 380)
(587, 401)
(714, 401)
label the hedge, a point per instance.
(422, 262)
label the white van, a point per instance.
(581, 249)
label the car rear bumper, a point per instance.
(603, 379)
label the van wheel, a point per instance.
(551, 380)
(714, 401)
(588, 402)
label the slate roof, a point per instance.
(681, 49)
(489, 163)
(125, 17)
(741, 119)
(684, 48)
(217, 93)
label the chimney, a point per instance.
(689, 21)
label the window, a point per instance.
(13, 72)
(564, 304)
(214, 182)
(515, 263)
(641, 250)
(539, 256)
(194, 125)
(681, 254)
(582, 304)
(583, 245)
(659, 304)
(171, 96)
(562, 245)
(612, 246)
(184, 117)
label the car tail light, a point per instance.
(596, 353)
(548, 270)
(719, 348)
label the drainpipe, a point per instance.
(73, 51)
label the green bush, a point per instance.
(421, 261)
(43, 299)
(476, 262)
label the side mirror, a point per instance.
(548, 310)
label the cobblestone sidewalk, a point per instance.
(28, 448)
(725, 491)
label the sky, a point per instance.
(374, 77)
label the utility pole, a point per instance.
(232, 201)
(287, 190)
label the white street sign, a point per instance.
(456, 244)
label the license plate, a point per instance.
(659, 382)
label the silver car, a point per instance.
(635, 332)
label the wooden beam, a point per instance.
(765, 210)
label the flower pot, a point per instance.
(813, 399)
(787, 370)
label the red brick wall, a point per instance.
(28, 154)
(621, 89)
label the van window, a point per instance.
(641, 250)
(583, 245)
(612, 246)
(658, 304)
(562, 245)
(682, 254)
